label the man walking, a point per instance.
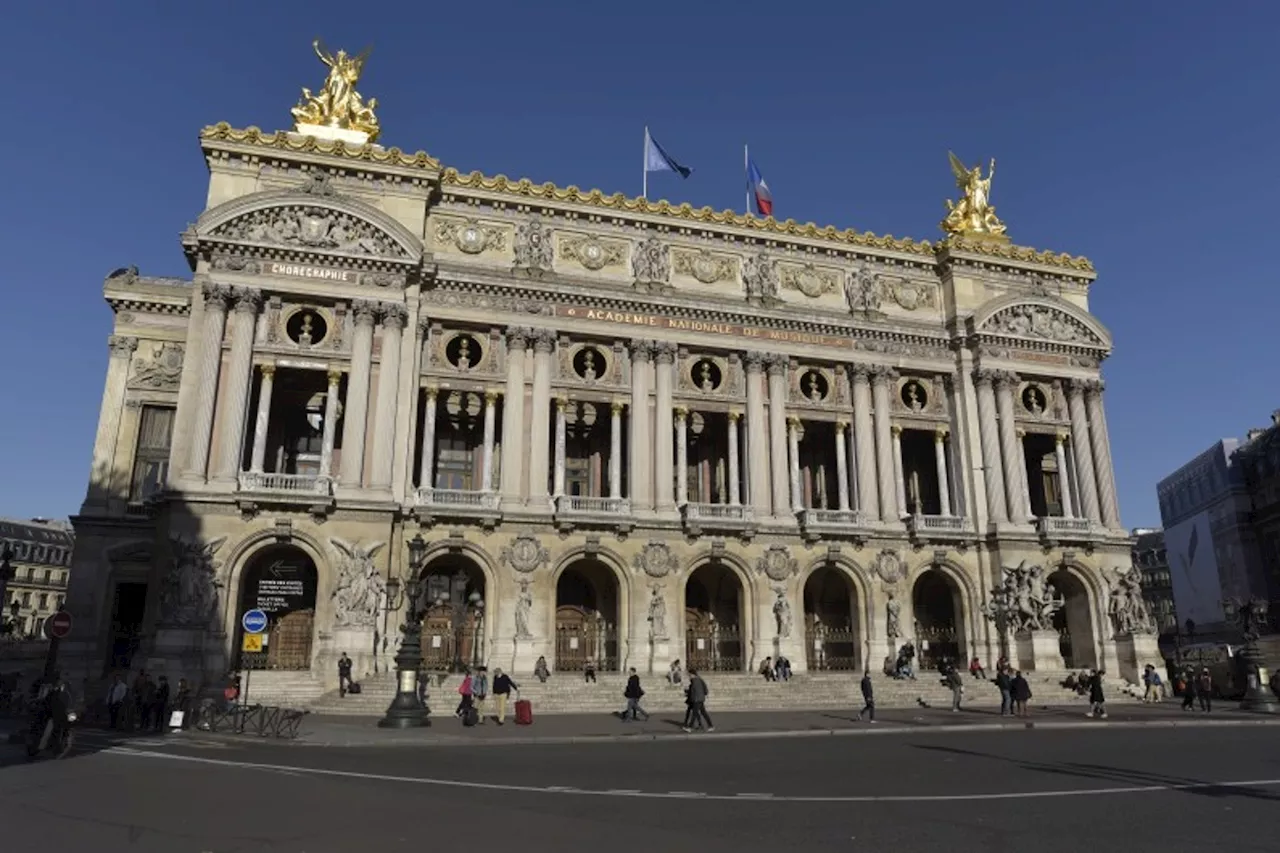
(480, 690)
(696, 699)
(868, 698)
(502, 685)
(115, 700)
(344, 675)
(1204, 690)
(1005, 685)
(956, 683)
(633, 694)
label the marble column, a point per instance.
(356, 409)
(1010, 450)
(640, 444)
(899, 482)
(1102, 455)
(561, 446)
(216, 297)
(244, 320)
(944, 480)
(756, 451)
(104, 443)
(734, 471)
(490, 428)
(664, 438)
(682, 455)
(864, 451)
(330, 423)
(514, 446)
(615, 449)
(263, 420)
(544, 342)
(989, 433)
(384, 411)
(1086, 484)
(427, 456)
(793, 454)
(1022, 466)
(842, 467)
(887, 461)
(778, 434)
(1064, 479)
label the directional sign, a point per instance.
(254, 621)
(58, 626)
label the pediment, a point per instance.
(1042, 319)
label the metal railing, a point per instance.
(457, 498)
(257, 720)
(294, 484)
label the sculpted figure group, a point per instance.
(1025, 600)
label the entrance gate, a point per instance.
(448, 644)
(583, 636)
(831, 649)
(710, 646)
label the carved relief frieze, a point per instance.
(912, 295)
(159, 369)
(487, 302)
(533, 248)
(470, 236)
(591, 252)
(902, 348)
(704, 266)
(1041, 322)
(651, 263)
(810, 280)
(863, 290)
(760, 280)
(307, 227)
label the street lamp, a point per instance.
(1001, 610)
(406, 710)
(1250, 616)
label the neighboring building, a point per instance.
(628, 431)
(1157, 584)
(1259, 461)
(40, 558)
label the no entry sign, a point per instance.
(58, 626)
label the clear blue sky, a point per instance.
(1140, 134)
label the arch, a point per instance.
(837, 638)
(282, 580)
(243, 553)
(1082, 616)
(930, 612)
(716, 618)
(480, 559)
(589, 604)
(987, 315)
(456, 598)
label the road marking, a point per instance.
(688, 795)
(755, 796)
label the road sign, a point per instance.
(58, 626)
(254, 621)
(251, 643)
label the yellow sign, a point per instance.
(251, 643)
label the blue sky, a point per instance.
(1139, 134)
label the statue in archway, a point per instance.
(657, 615)
(893, 616)
(524, 606)
(782, 612)
(359, 592)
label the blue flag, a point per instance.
(658, 160)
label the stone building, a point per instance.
(1151, 559)
(629, 431)
(1259, 462)
(39, 556)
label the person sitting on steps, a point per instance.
(541, 671)
(589, 673)
(766, 669)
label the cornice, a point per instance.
(296, 143)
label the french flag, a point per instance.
(759, 189)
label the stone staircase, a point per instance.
(289, 689)
(567, 693)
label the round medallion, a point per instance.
(706, 268)
(471, 239)
(592, 255)
(809, 283)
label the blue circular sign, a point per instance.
(254, 621)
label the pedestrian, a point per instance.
(160, 710)
(1186, 683)
(540, 669)
(696, 700)
(182, 702)
(1151, 680)
(956, 683)
(145, 703)
(1005, 685)
(632, 693)
(868, 698)
(502, 686)
(976, 670)
(344, 675)
(1204, 690)
(589, 673)
(1021, 691)
(480, 690)
(1097, 699)
(464, 695)
(115, 700)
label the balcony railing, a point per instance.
(290, 484)
(587, 505)
(458, 499)
(833, 518)
(1054, 525)
(707, 512)
(926, 525)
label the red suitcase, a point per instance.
(524, 712)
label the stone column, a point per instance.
(989, 433)
(264, 416)
(216, 297)
(1014, 475)
(514, 447)
(384, 411)
(544, 342)
(640, 448)
(778, 434)
(734, 472)
(664, 371)
(1022, 466)
(427, 462)
(758, 494)
(1085, 482)
(793, 454)
(682, 455)
(1102, 455)
(899, 482)
(104, 443)
(1064, 480)
(615, 449)
(490, 426)
(887, 460)
(330, 423)
(356, 410)
(864, 451)
(944, 481)
(561, 445)
(842, 467)
(244, 321)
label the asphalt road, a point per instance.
(1125, 789)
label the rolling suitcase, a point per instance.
(524, 712)
(470, 716)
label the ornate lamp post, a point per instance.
(406, 710)
(1250, 616)
(1000, 610)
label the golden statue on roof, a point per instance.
(338, 104)
(974, 215)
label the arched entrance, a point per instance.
(281, 582)
(1074, 621)
(713, 619)
(938, 605)
(453, 592)
(831, 621)
(587, 617)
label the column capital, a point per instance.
(895, 430)
(394, 315)
(433, 391)
(681, 412)
(268, 370)
(616, 407)
(1005, 378)
(1020, 432)
(664, 352)
(335, 375)
(544, 340)
(365, 311)
(882, 374)
(248, 300)
(859, 373)
(793, 421)
(518, 338)
(122, 345)
(562, 403)
(1094, 387)
(1083, 386)
(215, 295)
(491, 396)
(642, 349)
(940, 435)
(1059, 438)
(984, 376)
(754, 361)
(777, 363)
(734, 416)
(841, 426)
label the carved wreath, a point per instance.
(890, 567)
(656, 560)
(777, 563)
(525, 554)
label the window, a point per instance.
(454, 466)
(44, 600)
(26, 599)
(151, 461)
(44, 576)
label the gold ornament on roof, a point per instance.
(338, 104)
(974, 215)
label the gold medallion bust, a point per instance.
(338, 104)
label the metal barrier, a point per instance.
(259, 720)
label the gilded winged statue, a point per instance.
(974, 213)
(338, 104)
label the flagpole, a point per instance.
(746, 173)
(644, 165)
